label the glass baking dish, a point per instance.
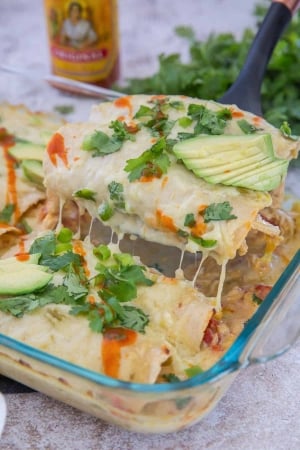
(165, 407)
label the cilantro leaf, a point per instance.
(256, 299)
(44, 245)
(116, 192)
(94, 314)
(6, 213)
(143, 111)
(56, 262)
(122, 131)
(101, 144)
(152, 163)
(171, 378)
(75, 288)
(133, 318)
(21, 304)
(64, 109)
(218, 211)
(122, 282)
(189, 220)
(207, 121)
(246, 127)
(176, 104)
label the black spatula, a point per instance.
(245, 92)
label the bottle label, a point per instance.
(83, 38)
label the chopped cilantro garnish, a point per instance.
(20, 304)
(161, 127)
(122, 131)
(182, 136)
(6, 213)
(116, 192)
(46, 246)
(256, 299)
(152, 163)
(101, 144)
(218, 211)
(189, 220)
(86, 193)
(171, 378)
(182, 233)
(144, 111)
(176, 104)
(57, 262)
(64, 109)
(133, 318)
(207, 121)
(246, 127)
(159, 124)
(119, 282)
(76, 287)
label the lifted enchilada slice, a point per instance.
(121, 168)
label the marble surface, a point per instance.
(261, 409)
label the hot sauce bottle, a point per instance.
(83, 39)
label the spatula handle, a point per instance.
(245, 92)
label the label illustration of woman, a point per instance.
(76, 31)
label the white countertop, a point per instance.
(261, 409)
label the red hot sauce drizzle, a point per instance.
(7, 141)
(124, 102)
(113, 340)
(56, 149)
(22, 255)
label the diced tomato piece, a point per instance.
(261, 290)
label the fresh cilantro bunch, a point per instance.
(215, 63)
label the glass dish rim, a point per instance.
(229, 363)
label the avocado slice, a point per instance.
(32, 259)
(33, 171)
(234, 160)
(23, 281)
(27, 150)
(18, 266)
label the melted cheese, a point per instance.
(180, 193)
